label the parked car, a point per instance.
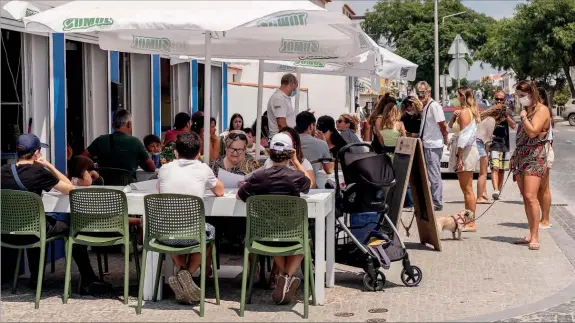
(569, 112)
(445, 167)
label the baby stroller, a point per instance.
(368, 178)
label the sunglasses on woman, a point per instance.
(340, 121)
(233, 135)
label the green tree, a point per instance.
(536, 43)
(562, 96)
(407, 27)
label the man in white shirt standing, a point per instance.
(433, 134)
(280, 110)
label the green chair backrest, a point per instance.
(22, 213)
(174, 216)
(98, 210)
(116, 176)
(277, 218)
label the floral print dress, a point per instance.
(529, 156)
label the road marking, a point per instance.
(568, 141)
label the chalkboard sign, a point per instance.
(409, 167)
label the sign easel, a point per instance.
(409, 166)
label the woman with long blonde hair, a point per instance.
(464, 153)
(529, 160)
(389, 127)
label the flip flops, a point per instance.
(534, 246)
(522, 241)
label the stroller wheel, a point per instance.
(411, 277)
(369, 283)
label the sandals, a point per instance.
(522, 241)
(534, 246)
(485, 202)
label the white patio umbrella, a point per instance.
(292, 30)
(377, 62)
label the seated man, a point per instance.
(280, 179)
(187, 175)
(34, 174)
(313, 148)
(120, 149)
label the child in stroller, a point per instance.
(370, 239)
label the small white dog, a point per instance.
(455, 223)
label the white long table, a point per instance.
(321, 207)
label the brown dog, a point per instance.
(455, 223)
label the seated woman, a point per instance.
(291, 180)
(328, 132)
(347, 125)
(235, 160)
(187, 175)
(81, 171)
(298, 152)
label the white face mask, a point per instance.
(525, 101)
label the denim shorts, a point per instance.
(481, 148)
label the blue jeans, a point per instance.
(408, 202)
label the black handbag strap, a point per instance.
(425, 118)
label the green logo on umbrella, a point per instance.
(289, 20)
(299, 46)
(151, 43)
(30, 12)
(84, 23)
(309, 64)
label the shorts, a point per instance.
(481, 148)
(210, 235)
(499, 160)
(550, 157)
(470, 158)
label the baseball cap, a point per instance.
(29, 143)
(281, 142)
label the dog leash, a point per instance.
(484, 212)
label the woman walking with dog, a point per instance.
(464, 153)
(529, 159)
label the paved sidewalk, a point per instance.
(482, 274)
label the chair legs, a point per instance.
(17, 270)
(68, 277)
(244, 282)
(161, 258)
(136, 257)
(41, 266)
(215, 271)
(126, 269)
(141, 287)
(306, 274)
(52, 256)
(100, 270)
(251, 279)
(203, 279)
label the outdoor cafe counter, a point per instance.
(321, 207)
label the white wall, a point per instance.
(326, 94)
(141, 94)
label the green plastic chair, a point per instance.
(272, 219)
(176, 217)
(98, 218)
(23, 215)
(116, 176)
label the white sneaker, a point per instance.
(496, 194)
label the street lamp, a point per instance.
(436, 41)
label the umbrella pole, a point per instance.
(207, 95)
(259, 107)
(298, 76)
